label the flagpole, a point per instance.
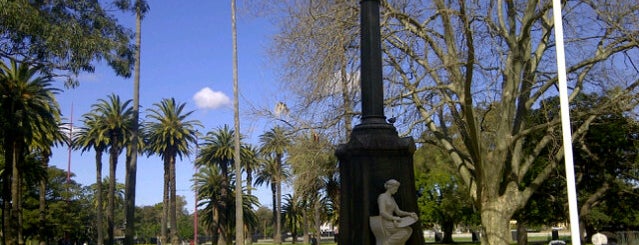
(565, 124)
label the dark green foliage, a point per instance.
(606, 163)
(69, 210)
(442, 199)
(64, 35)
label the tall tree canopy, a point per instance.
(64, 37)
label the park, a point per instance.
(363, 122)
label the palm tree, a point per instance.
(266, 174)
(28, 113)
(208, 183)
(41, 148)
(140, 7)
(170, 135)
(116, 120)
(275, 143)
(239, 227)
(291, 209)
(218, 149)
(250, 163)
(92, 136)
(269, 173)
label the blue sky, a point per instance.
(187, 55)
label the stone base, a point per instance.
(374, 154)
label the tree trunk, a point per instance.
(16, 192)
(165, 204)
(587, 206)
(113, 156)
(306, 228)
(132, 169)
(495, 219)
(249, 186)
(16, 198)
(447, 227)
(239, 212)
(522, 234)
(224, 199)
(16, 203)
(216, 227)
(318, 221)
(173, 209)
(274, 191)
(6, 194)
(99, 208)
(43, 203)
(278, 203)
(278, 215)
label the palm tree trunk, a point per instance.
(6, 194)
(239, 216)
(131, 170)
(224, 199)
(165, 203)
(99, 208)
(306, 226)
(318, 221)
(278, 215)
(215, 227)
(173, 208)
(113, 156)
(16, 204)
(43, 189)
(249, 186)
(274, 191)
(42, 209)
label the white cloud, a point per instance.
(206, 98)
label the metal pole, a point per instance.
(371, 71)
(565, 124)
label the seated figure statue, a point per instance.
(391, 215)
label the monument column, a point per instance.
(374, 152)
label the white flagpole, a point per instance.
(565, 123)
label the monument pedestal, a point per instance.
(373, 155)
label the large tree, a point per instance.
(275, 142)
(268, 173)
(91, 136)
(68, 209)
(453, 64)
(606, 168)
(218, 149)
(442, 199)
(170, 134)
(139, 7)
(29, 116)
(313, 164)
(116, 118)
(250, 161)
(239, 225)
(64, 37)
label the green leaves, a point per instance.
(64, 37)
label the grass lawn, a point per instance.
(533, 239)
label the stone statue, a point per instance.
(389, 227)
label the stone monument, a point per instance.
(374, 153)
